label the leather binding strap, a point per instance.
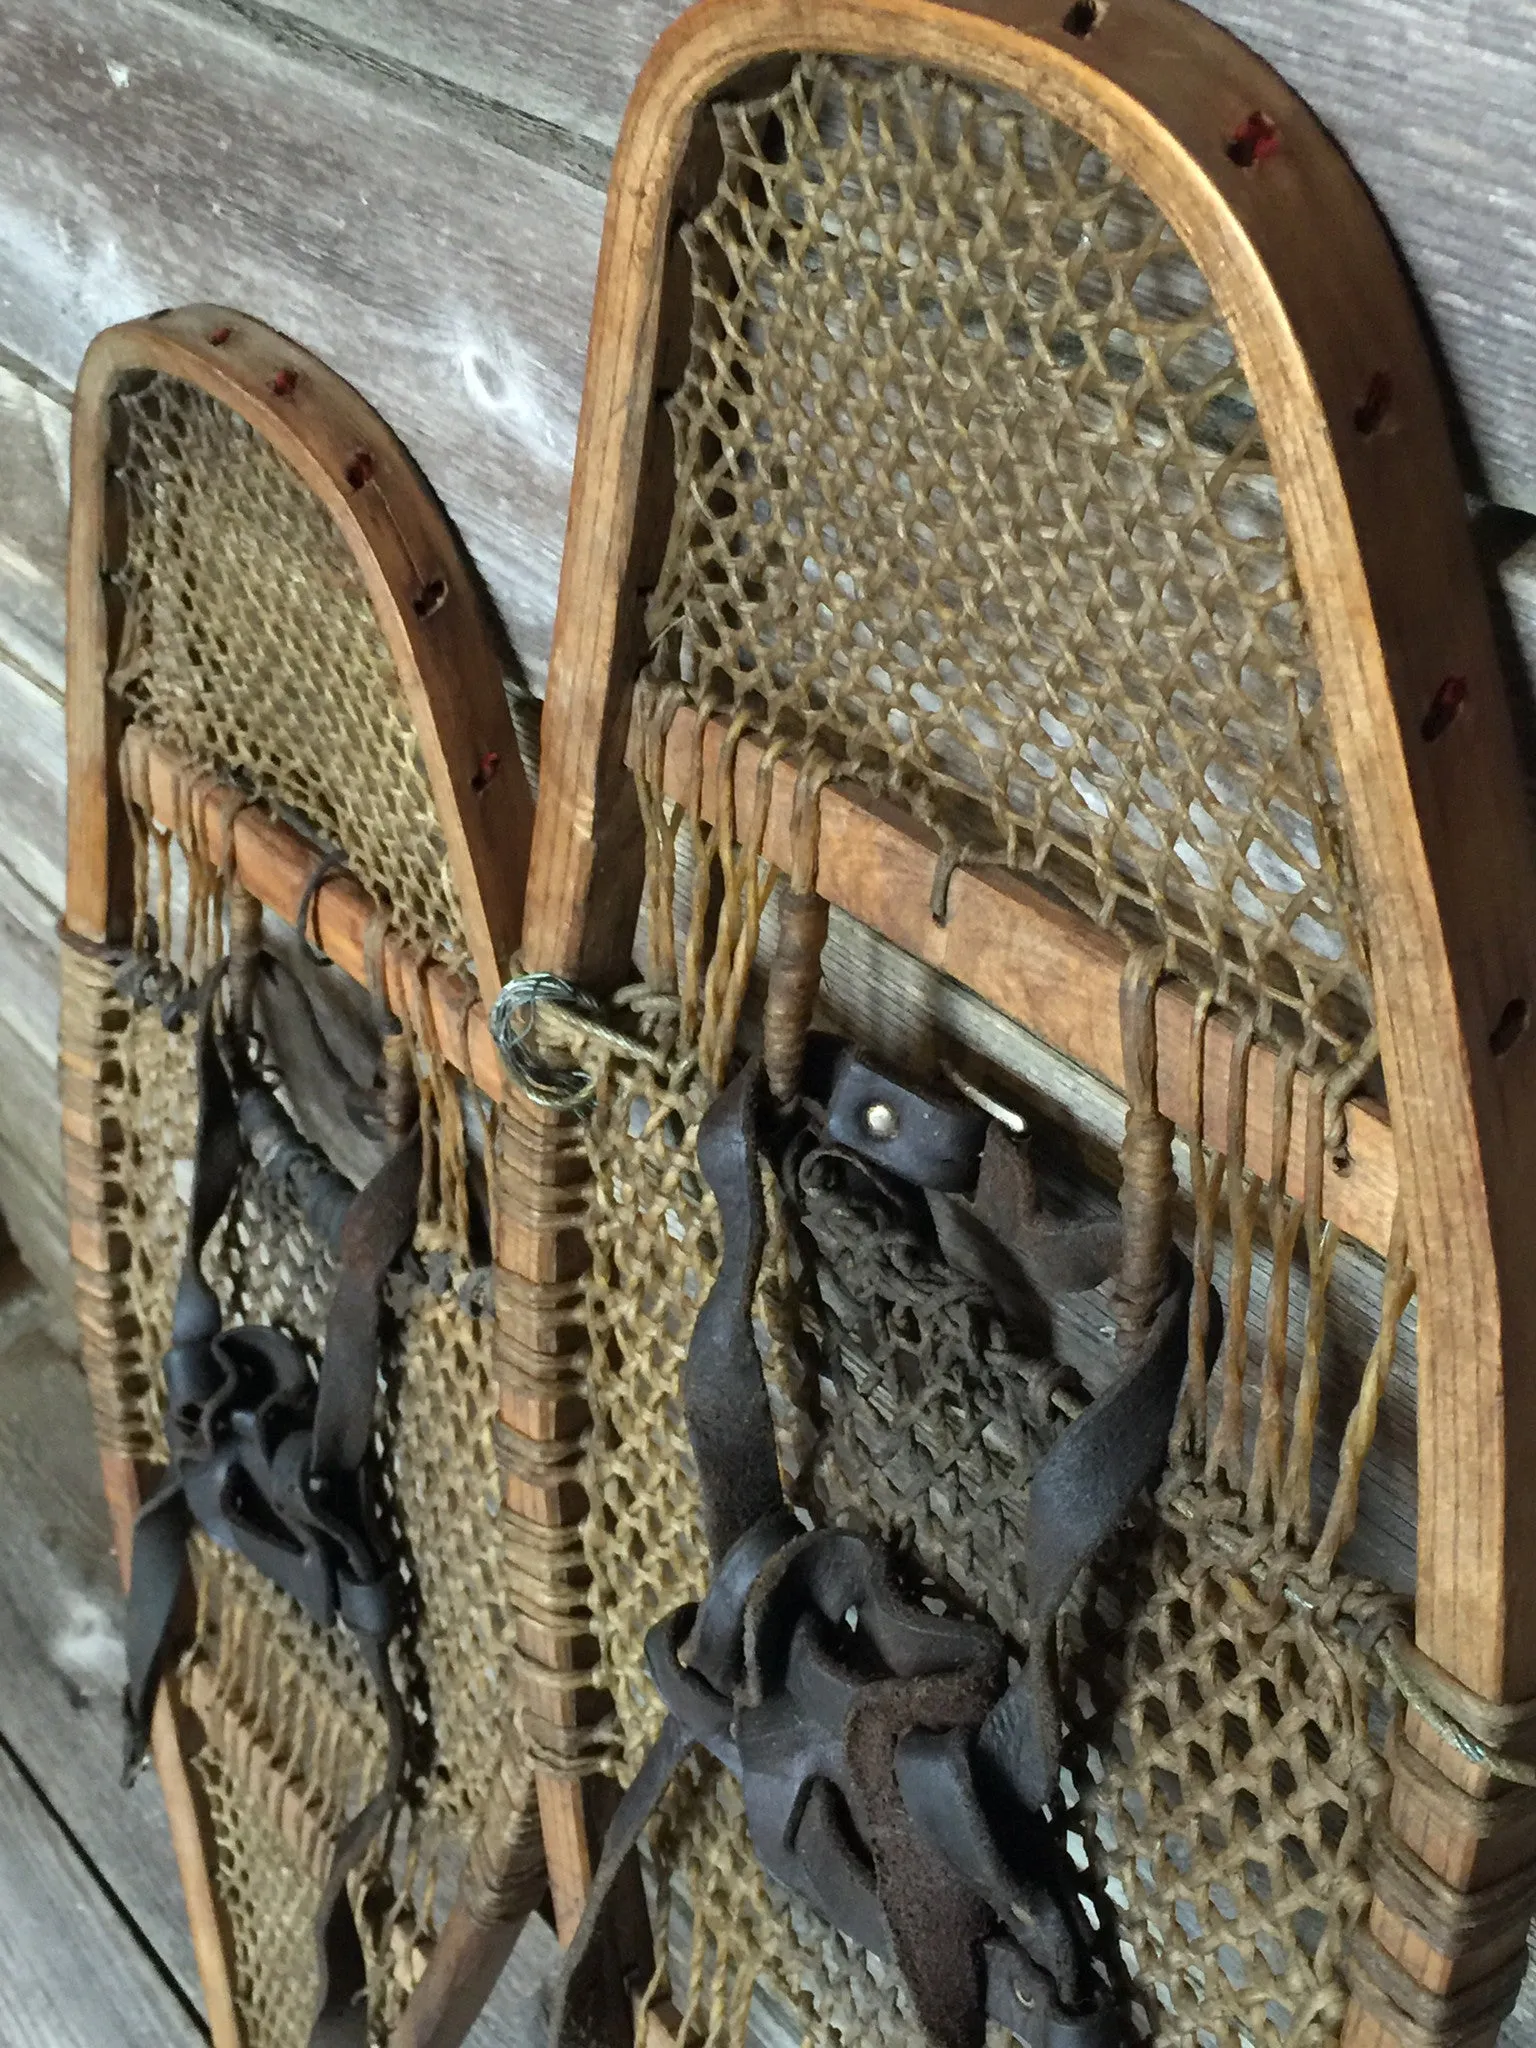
(1422, 2019)
(891, 1774)
(272, 1465)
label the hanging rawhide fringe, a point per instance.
(1045, 1068)
(282, 894)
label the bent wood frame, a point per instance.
(1302, 272)
(434, 623)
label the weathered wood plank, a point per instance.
(29, 978)
(34, 509)
(32, 769)
(32, 841)
(71, 1973)
(517, 2013)
(31, 1167)
(61, 1652)
(1432, 101)
(1517, 577)
(161, 158)
(544, 63)
(1431, 98)
(30, 1203)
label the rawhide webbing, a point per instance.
(891, 1773)
(271, 1462)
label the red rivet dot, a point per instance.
(1444, 706)
(1256, 139)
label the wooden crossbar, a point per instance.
(274, 863)
(1042, 965)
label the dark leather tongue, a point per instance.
(936, 1924)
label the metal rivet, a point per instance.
(880, 1120)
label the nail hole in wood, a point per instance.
(285, 383)
(1445, 707)
(360, 469)
(430, 598)
(1254, 141)
(219, 336)
(1375, 405)
(1082, 18)
(485, 773)
(1513, 1019)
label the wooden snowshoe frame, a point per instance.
(1325, 330)
(318, 555)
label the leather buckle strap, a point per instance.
(270, 1463)
(890, 1775)
(843, 1682)
(841, 1677)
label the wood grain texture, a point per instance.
(447, 278)
(34, 488)
(71, 1973)
(61, 1629)
(1431, 98)
(31, 1166)
(572, 66)
(517, 2012)
(31, 1202)
(31, 896)
(31, 783)
(29, 946)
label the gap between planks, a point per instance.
(73, 1973)
(456, 102)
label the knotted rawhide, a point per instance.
(1018, 620)
(299, 826)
